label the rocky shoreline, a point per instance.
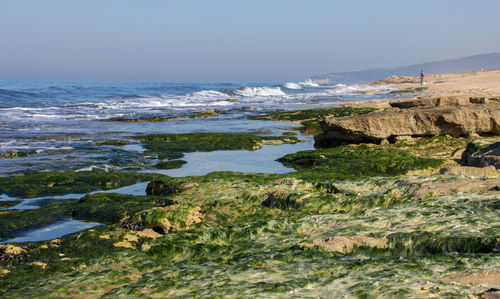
(421, 117)
(400, 199)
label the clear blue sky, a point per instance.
(234, 41)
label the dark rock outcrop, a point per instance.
(163, 187)
(481, 154)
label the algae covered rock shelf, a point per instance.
(349, 215)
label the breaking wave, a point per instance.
(261, 92)
(78, 101)
(291, 85)
(309, 83)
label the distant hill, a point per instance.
(465, 64)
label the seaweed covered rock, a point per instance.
(16, 221)
(110, 207)
(347, 162)
(456, 121)
(59, 183)
(165, 186)
(482, 154)
(422, 242)
(165, 145)
(171, 164)
(285, 202)
(347, 244)
(163, 220)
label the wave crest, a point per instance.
(309, 83)
(261, 92)
(291, 85)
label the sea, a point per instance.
(68, 126)
(59, 123)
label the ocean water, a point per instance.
(62, 121)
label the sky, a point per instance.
(234, 41)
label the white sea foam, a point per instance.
(208, 94)
(261, 92)
(309, 83)
(259, 97)
(90, 168)
(29, 109)
(346, 89)
(291, 85)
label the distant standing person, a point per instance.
(422, 78)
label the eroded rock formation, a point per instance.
(454, 116)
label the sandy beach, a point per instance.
(462, 84)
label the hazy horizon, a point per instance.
(228, 41)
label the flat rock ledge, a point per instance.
(453, 116)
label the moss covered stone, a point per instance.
(205, 142)
(341, 220)
(219, 228)
(347, 162)
(13, 155)
(60, 183)
(409, 90)
(313, 114)
(111, 207)
(161, 118)
(166, 186)
(171, 164)
(113, 142)
(173, 145)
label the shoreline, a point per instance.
(400, 213)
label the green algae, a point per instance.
(226, 241)
(440, 146)
(206, 142)
(310, 128)
(172, 146)
(111, 207)
(480, 145)
(347, 162)
(242, 248)
(159, 118)
(313, 114)
(113, 142)
(171, 164)
(15, 221)
(14, 155)
(409, 90)
(60, 183)
(8, 203)
(165, 186)
(438, 243)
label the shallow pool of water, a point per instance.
(52, 231)
(33, 203)
(259, 161)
